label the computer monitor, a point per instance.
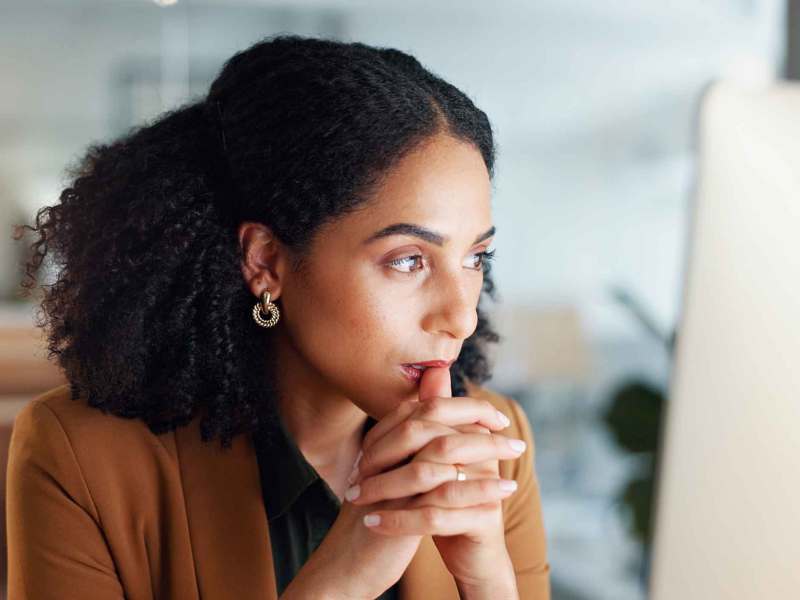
(727, 514)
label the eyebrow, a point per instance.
(422, 233)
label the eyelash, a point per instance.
(486, 257)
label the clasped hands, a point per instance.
(412, 453)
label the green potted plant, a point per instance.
(633, 416)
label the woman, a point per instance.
(262, 268)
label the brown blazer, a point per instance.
(99, 507)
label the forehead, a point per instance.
(442, 184)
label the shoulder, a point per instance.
(69, 453)
(523, 469)
(56, 430)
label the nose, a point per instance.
(454, 304)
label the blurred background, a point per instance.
(594, 106)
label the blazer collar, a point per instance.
(229, 532)
(227, 520)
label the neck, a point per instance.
(327, 427)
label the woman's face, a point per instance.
(376, 296)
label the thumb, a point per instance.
(435, 382)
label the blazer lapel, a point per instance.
(229, 531)
(227, 519)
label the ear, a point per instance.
(264, 259)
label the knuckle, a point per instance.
(433, 407)
(444, 444)
(437, 403)
(390, 519)
(422, 471)
(486, 486)
(365, 462)
(367, 488)
(409, 429)
(431, 516)
(451, 493)
(408, 407)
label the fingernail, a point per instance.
(372, 520)
(354, 472)
(351, 479)
(517, 445)
(352, 492)
(507, 485)
(503, 419)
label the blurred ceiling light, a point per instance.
(165, 2)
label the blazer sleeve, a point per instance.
(56, 546)
(522, 513)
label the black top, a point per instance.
(300, 505)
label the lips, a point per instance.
(431, 363)
(413, 371)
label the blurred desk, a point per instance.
(24, 368)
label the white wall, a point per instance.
(592, 103)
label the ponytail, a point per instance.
(150, 307)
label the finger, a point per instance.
(471, 428)
(401, 412)
(489, 468)
(458, 494)
(405, 440)
(413, 478)
(434, 520)
(408, 438)
(436, 484)
(461, 410)
(468, 448)
(435, 382)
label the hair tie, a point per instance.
(219, 168)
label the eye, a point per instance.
(479, 261)
(406, 260)
(484, 257)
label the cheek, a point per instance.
(350, 322)
(376, 324)
(357, 339)
(365, 309)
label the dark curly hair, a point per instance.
(149, 315)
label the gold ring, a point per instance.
(460, 475)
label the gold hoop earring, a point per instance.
(265, 306)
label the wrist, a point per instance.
(505, 589)
(500, 585)
(314, 580)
